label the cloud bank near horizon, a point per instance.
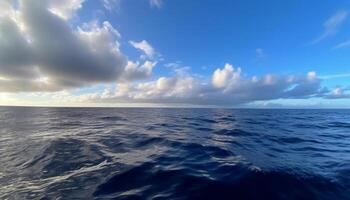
(227, 87)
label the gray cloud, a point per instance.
(40, 47)
(232, 90)
(16, 57)
(339, 93)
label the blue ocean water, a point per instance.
(156, 153)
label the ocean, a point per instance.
(174, 153)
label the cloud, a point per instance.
(227, 87)
(37, 43)
(334, 76)
(332, 25)
(145, 47)
(65, 8)
(342, 45)
(226, 77)
(156, 3)
(259, 53)
(115, 4)
(178, 68)
(111, 4)
(339, 93)
(136, 71)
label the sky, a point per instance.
(204, 53)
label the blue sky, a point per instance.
(207, 33)
(187, 42)
(210, 33)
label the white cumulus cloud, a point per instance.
(145, 47)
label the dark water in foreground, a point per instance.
(124, 153)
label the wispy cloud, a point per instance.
(260, 53)
(145, 47)
(156, 3)
(111, 4)
(333, 76)
(332, 25)
(342, 45)
(178, 68)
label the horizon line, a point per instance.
(184, 107)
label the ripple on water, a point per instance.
(118, 153)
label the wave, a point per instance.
(55, 153)
(149, 182)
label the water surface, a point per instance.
(149, 153)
